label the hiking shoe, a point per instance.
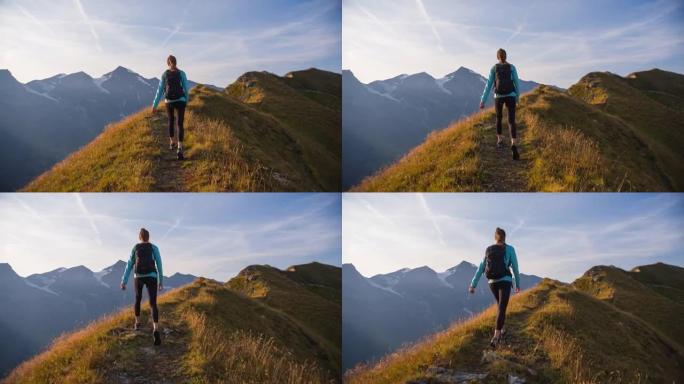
(136, 326)
(516, 155)
(180, 155)
(172, 146)
(494, 341)
(499, 145)
(157, 337)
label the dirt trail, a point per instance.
(499, 172)
(518, 353)
(138, 360)
(169, 172)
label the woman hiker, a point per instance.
(499, 259)
(504, 77)
(173, 86)
(146, 262)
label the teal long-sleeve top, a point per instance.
(511, 261)
(490, 84)
(131, 262)
(162, 89)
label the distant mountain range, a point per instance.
(38, 308)
(45, 120)
(382, 312)
(605, 133)
(263, 132)
(265, 325)
(382, 120)
(608, 326)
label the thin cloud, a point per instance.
(431, 217)
(86, 20)
(210, 235)
(88, 216)
(430, 23)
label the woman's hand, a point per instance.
(123, 286)
(154, 110)
(161, 287)
(471, 289)
(481, 105)
(517, 289)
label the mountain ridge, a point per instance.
(246, 138)
(205, 339)
(590, 138)
(558, 332)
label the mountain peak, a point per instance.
(462, 72)
(122, 71)
(463, 265)
(420, 75)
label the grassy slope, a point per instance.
(309, 293)
(309, 104)
(567, 144)
(218, 335)
(645, 101)
(558, 331)
(230, 146)
(619, 288)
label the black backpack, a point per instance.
(174, 89)
(495, 267)
(503, 84)
(144, 260)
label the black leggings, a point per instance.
(180, 107)
(502, 292)
(151, 283)
(510, 106)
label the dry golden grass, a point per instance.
(446, 161)
(565, 160)
(122, 158)
(309, 107)
(240, 357)
(218, 162)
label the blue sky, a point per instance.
(553, 42)
(211, 235)
(558, 235)
(214, 41)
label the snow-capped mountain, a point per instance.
(383, 119)
(382, 312)
(41, 306)
(45, 120)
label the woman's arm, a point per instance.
(186, 88)
(129, 267)
(516, 84)
(158, 262)
(514, 265)
(488, 87)
(478, 274)
(160, 91)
